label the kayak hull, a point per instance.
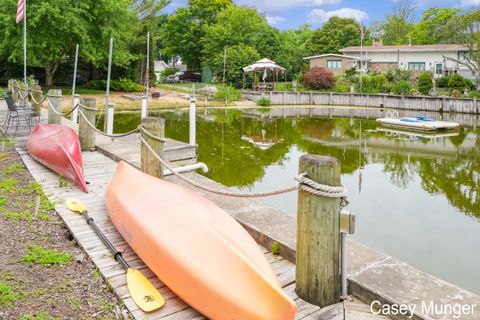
(57, 147)
(199, 251)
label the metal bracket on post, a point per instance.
(347, 226)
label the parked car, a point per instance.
(174, 77)
(190, 76)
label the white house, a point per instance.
(417, 58)
(160, 65)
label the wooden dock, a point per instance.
(99, 170)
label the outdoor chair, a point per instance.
(16, 113)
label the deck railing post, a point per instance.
(110, 118)
(54, 100)
(37, 96)
(144, 112)
(149, 164)
(75, 101)
(318, 278)
(86, 133)
(192, 120)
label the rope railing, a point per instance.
(60, 113)
(113, 136)
(304, 184)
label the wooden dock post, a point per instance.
(54, 102)
(318, 235)
(37, 95)
(149, 164)
(86, 134)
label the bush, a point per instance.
(456, 82)
(474, 94)
(442, 82)
(124, 85)
(168, 72)
(456, 93)
(319, 78)
(402, 87)
(342, 85)
(264, 102)
(425, 83)
(229, 93)
(469, 84)
(414, 92)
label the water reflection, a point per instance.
(416, 195)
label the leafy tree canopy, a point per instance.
(432, 28)
(399, 23)
(293, 48)
(334, 35)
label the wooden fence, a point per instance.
(423, 103)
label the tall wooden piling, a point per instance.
(149, 164)
(37, 95)
(55, 102)
(86, 134)
(318, 235)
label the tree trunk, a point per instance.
(50, 70)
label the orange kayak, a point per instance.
(200, 252)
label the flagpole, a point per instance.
(361, 58)
(25, 42)
(147, 80)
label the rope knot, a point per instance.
(308, 185)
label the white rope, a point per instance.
(304, 184)
(50, 105)
(113, 136)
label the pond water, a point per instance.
(416, 197)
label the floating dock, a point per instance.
(418, 123)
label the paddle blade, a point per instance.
(76, 205)
(143, 293)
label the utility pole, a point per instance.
(224, 63)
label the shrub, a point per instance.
(319, 78)
(264, 102)
(456, 93)
(474, 94)
(414, 92)
(380, 82)
(168, 72)
(425, 83)
(342, 85)
(442, 82)
(456, 82)
(229, 93)
(469, 84)
(124, 85)
(402, 87)
(97, 84)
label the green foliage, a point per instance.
(13, 168)
(334, 35)
(40, 255)
(442, 82)
(54, 31)
(395, 75)
(372, 84)
(62, 183)
(456, 82)
(474, 94)
(182, 33)
(239, 28)
(402, 88)
(292, 50)
(121, 85)
(469, 84)
(8, 185)
(275, 248)
(264, 102)
(456, 93)
(342, 85)
(399, 23)
(433, 26)
(7, 295)
(425, 83)
(319, 78)
(169, 71)
(229, 92)
(414, 92)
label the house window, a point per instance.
(438, 68)
(334, 64)
(416, 66)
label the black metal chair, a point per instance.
(15, 113)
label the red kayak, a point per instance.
(58, 148)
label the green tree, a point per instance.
(399, 23)
(334, 35)
(56, 26)
(432, 28)
(425, 83)
(293, 48)
(238, 57)
(182, 33)
(456, 82)
(239, 26)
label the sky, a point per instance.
(290, 14)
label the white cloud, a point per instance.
(469, 3)
(275, 20)
(320, 16)
(282, 5)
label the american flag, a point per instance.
(20, 11)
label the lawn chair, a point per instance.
(16, 113)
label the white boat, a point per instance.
(417, 123)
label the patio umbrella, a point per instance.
(263, 65)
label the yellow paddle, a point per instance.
(141, 290)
